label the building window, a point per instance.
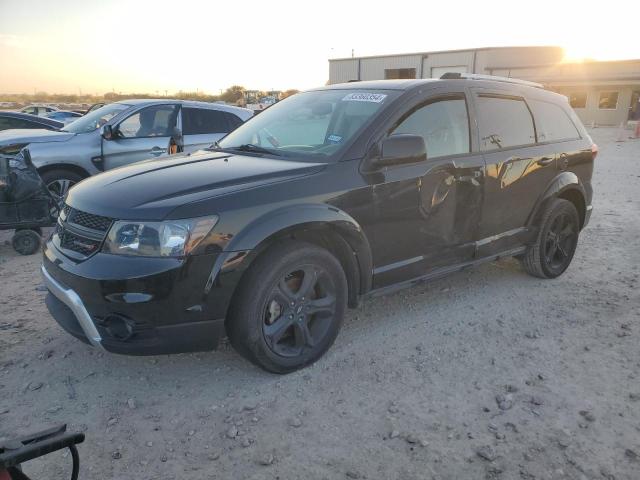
(395, 73)
(578, 99)
(608, 101)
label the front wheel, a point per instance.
(289, 307)
(59, 182)
(557, 240)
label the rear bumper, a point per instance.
(587, 215)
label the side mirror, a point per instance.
(107, 132)
(401, 149)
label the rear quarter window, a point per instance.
(504, 122)
(552, 122)
(197, 121)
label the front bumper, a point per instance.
(75, 308)
(137, 306)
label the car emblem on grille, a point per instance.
(87, 246)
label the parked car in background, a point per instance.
(13, 120)
(93, 107)
(121, 133)
(327, 197)
(64, 116)
(39, 110)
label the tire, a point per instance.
(284, 316)
(26, 242)
(556, 243)
(59, 181)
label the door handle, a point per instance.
(544, 161)
(158, 151)
(472, 179)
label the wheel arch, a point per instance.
(64, 166)
(566, 186)
(322, 225)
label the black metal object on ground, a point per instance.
(14, 452)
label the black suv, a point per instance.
(327, 197)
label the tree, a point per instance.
(288, 93)
(233, 94)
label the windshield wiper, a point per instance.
(250, 147)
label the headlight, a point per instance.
(172, 238)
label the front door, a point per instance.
(144, 134)
(426, 214)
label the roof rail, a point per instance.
(477, 76)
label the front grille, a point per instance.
(83, 246)
(80, 232)
(87, 220)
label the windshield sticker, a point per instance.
(334, 138)
(364, 97)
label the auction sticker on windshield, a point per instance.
(364, 97)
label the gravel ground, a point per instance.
(488, 373)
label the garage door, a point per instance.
(437, 72)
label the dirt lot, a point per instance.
(488, 373)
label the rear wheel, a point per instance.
(289, 307)
(557, 240)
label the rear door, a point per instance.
(518, 169)
(202, 127)
(144, 134)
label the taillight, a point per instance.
(594, 151)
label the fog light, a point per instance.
(118, 327)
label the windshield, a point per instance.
(95, 119)
(315, 123)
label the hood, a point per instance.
(151, 189)
(25, 135)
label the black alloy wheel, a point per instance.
(288, 307)
(299, 311)
(557, 240)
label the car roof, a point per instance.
(31, 118)
(187, 103)
(480, 82)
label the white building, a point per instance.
(604, 93)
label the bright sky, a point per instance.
(94, 46)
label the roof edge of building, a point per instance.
(457, 50)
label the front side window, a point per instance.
(155, 121)
(608, 101)
(319, 122)
(504, 122)
(552, 122)
(444, 125)
(577, 99)
(196, 121)
(95, 119)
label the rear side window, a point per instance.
(552, 122)
(6, 123)
(504, 122)
(444, 125)
(196, 121)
